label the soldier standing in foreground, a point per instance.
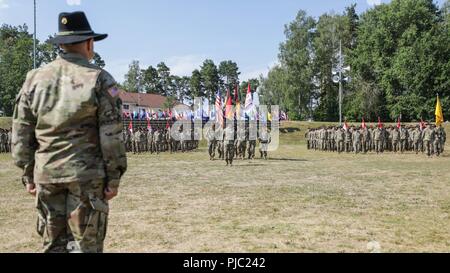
(67, 139)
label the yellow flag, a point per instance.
(439, 115)
(269, 116)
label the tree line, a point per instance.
(398, 53)
(16, 59)
(203, 82)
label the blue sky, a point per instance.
(181, 33)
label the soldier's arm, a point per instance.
(110, 129)
(23, 142)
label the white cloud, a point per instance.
(373, 2)
(256, 72)
(184, 65)
(3, 4)
(73, 2)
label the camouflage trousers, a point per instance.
(251, 149)
(263, 148)
(72, 217)
(229, 153)
(212, 149)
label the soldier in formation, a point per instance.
(240, 143)
(5, 141)
(430, 140)
(158, 140)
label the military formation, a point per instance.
(143, 140)
(240, 143)
(5, 141)
(429, 140)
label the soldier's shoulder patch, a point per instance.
(114, 91)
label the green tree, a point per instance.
(210, 79)
(195, 84)
(165, 79)
(16, 51)
(296, 54)
(169, 102)
(275, 86)
(151, 80)
(182, 87)
(133, 79)
(229, 74)
(403, 49)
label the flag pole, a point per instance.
(34, 37)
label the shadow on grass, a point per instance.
(289, 130)
(288, 159)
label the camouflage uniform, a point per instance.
(150, 141)
(417, 139)
(229, 145)
(67, 139)
(443, 136)
(137, 142)
(404, 136)
(340, 137)
(253, 135)
(348, 140)
(357, 137)
(157, 139)
(437, 141)
(242, 142)
(264, 140)
(211, 138)
(366, 139)
(395, 139)
(428, 139)
(378, 140)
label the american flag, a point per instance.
(219, 110)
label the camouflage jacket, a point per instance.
(67, 124)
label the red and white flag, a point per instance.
(346, 126)
(380, 125)
(130, 126)
(399, 124)
(422, 124)
(248, 98)
(363, 125)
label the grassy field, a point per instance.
(298, 201)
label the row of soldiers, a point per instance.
(159, 140)
(430, 139)
(238, 142)
(5, 141)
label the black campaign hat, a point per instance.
(74, 28)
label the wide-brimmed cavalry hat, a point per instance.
(74, 28)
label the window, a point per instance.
(126, 107)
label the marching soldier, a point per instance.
(264, 140)
(437, 141)
(211, 138)
(229, 145)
